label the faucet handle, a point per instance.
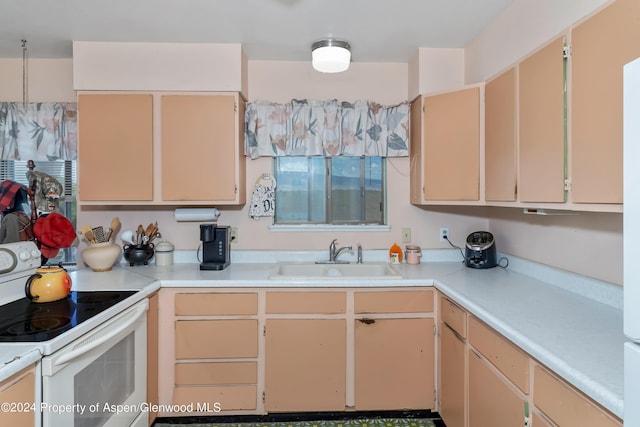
(359, 253)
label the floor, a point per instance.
(360, 419)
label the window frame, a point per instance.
(330, 222)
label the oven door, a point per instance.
(100, 379)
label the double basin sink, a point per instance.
(313, 271)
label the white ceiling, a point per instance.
(378, 30)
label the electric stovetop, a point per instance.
(27, 321)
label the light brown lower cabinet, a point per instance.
(19, 390)
(305, 365)
(565, 406)
(394, 364)
(492, 401)
(453, 383)
(489, 377)
(207, 351)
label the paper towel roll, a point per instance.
(196, 214)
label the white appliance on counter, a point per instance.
(631, 224)
(93, 346)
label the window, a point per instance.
(338, 190)
(65, 172)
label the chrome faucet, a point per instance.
(333, 253)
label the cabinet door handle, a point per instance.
(367, 321)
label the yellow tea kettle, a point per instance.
(48, 284)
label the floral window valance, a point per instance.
(38, 131)
(326, 128)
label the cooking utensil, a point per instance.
(99, 234)
(114, 227)
(139, 234)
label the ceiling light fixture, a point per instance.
(330, 55)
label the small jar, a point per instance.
(164, 253)
(413, 254)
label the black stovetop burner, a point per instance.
(26, 321)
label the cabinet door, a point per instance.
(115, 153)
(451, 145)
(600, 47)
(500, 137)
(199, 148)
(491, 401)
(394, 364)
(19, 389)
(416, 191)
(565, 406)
(305, 365)
(453, 378)
(542, 119)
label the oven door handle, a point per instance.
(135, 315)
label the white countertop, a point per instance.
(578, 337)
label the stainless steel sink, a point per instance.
(312, 271)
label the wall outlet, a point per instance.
(233, 235)
(444, 234)
(406, 235)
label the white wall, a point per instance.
(521, 28)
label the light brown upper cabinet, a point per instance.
(542, 159)
(201, 151)
(445, 153)
(115, 147)
(161, 149)
(600, 46)
(500, 137)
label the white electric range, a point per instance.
(93, 343)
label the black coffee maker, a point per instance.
(216, 251)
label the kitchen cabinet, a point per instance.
(208, 349)
(305, 352)
(565, 406)
(541, 117)
(115, 147)
(19, 389)
(394, 350)
(500, 137)
(600, 46)
(284, 349)
(445, 153)
(452, 363)
(493, 379)
(498, 378)
(202, 151)
(152, 355)
(161, 149)
(491, 398)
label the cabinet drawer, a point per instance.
(394, 302)
(306, 302)
(219, 373)
(505, 356)
(228, 398)
(453, 316)
(211, 339)
(216, 304)
(565, 406)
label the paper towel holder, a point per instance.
(196, 214)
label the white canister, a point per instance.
(164, 253)
(413, 254)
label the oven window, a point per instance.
(110, 379)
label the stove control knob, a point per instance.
(24, 255)
(35, 253)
